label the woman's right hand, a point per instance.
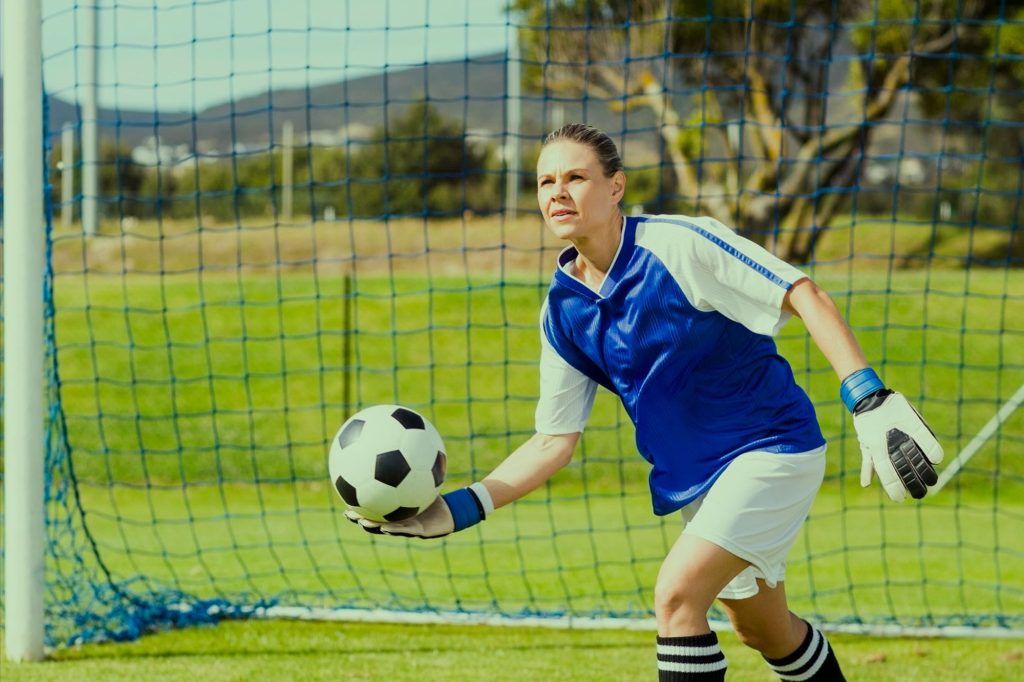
(433, 522)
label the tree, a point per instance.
(973, 88)
(764, 149)
(120, 180)
(420, 164)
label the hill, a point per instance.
(470, 90)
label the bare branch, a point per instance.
(841, 174)
(939, 44)
(732, 169)
(731, 162)
(709, 196)
(760, 103)
(830, 140)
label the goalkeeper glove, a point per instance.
(449, 513)
(895, 441)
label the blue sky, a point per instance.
(190, 54)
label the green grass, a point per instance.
(216, 395)
(552, 552)
(198, 406)
(244, 377)
(360, 652)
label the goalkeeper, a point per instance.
(676, 315)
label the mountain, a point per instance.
(470, 90)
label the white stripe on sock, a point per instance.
(675, 650)
(692, 667)
(806, 656)
(813, 670)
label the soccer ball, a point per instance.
(387, 463)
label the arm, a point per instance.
(529, 466)
(895, 441)
(826, 326)
(532, 463)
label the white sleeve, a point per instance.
(719, 270)
(566, 394)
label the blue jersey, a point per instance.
(681, 332)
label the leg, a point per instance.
(793, 649)
(755, 507)
(691, 576)
(764, 621)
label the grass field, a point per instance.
(198, 402)
(304, 652)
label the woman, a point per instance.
(675, 315)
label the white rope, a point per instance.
(585, 623)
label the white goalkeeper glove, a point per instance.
(449, 513)
(895, 441)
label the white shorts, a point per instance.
(755, 510)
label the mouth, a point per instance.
(562, 213)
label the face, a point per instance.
(574, 195)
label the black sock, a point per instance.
(813, 661)
(690, 659)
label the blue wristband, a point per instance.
(465, 508)
(858, 385)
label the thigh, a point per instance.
(756, 508)
(695, 570)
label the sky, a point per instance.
(191, 54)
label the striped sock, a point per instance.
(690, 659)
(813, 661)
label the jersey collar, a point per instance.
(619, 262)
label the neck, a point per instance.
(596, 251)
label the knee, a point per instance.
(752, 636)
(770, 639)
(665, 600)
(674, 599)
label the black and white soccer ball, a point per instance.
(387, 463)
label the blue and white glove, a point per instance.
(895, 441)
(449, 513)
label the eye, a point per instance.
(544, 181)
(575, 177)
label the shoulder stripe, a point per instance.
(728, 248)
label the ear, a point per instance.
(618, 186)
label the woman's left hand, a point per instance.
(897, 444)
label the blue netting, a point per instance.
(306, 208)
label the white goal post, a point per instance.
(24, 238)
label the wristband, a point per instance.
(466, 508)
(483, 495)
(858, 385)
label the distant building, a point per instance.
(152, 153)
